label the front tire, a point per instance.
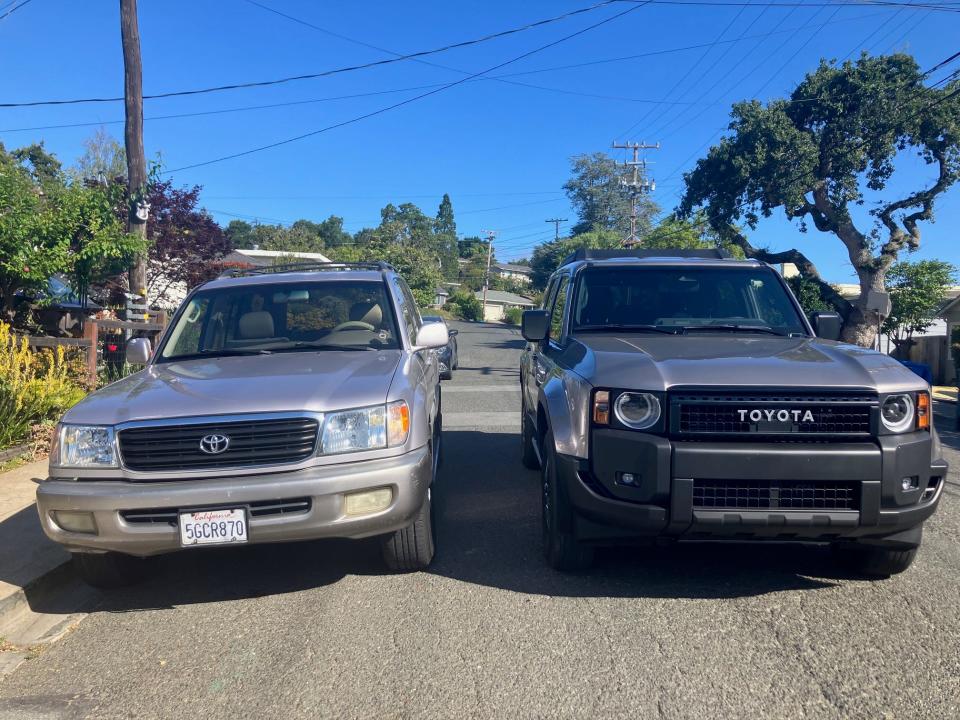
(876, 562)
(108, 570)
(411, 548)
(561, 549)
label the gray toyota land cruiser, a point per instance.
(682, 395)
(284, 403)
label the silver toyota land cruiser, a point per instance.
(681, 395)
(285, 403)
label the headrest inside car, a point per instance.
(256, 325)
(367, 312)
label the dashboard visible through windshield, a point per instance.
(679, 300)
(283, 317)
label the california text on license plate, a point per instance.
(213, 527)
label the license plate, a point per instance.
(213, 527)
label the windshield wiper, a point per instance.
(623, 327)
(220, 353)
(733, 328)
(303, 345)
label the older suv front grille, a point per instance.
(164, 448)
(260, 508)
(774, 495)
(786, 415)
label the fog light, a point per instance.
(910, 483)
(367, 502)
(629, 479)
(78, 522)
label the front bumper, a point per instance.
(407, 475)
(662, 503)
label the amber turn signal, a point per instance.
(923, 411)
(601, 407)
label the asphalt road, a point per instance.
(319, 630)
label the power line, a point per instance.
(942, 7)
(327, 73)
(388, 108)
(12, 10)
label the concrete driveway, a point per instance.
(318, 630)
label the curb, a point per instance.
(48, 585)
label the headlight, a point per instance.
(637, 410)
(897, 413)
(85, 446)
(369, 428)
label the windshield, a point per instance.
(687, 299)
(283, 317)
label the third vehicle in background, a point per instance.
(447, 355)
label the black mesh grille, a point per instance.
(785, 414)
(177, 447)
(261, 508)
(772, 495)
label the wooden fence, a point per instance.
(94, 334)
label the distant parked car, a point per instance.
(447, 355)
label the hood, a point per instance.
(661, 362)
(282, 382)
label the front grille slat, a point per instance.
(260, 508)
(779, 414)
(252, 442)
(775, 495)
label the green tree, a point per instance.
(73, 229)
(465, 305)
(813, 156)
(547, 257)
(240, 234)
(103, 157)
(808, 294)
(445, 228)
(43, 167)
(917, 290)
(445, 224)
(601, 200)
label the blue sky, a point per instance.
(501, 149)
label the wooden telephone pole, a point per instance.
(491, 234)
(636, 183)
(133, 140)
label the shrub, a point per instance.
(465, 306)
(512, 315)
(34, 387)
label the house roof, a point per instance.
(508, 267)
(441, 291)
(501, 297)
(949, 305)
(265, 257)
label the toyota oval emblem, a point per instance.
(214, 444)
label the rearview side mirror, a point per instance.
(534, 325)
(138, 351)
(454, 333)
(432, 335)
(826, 325)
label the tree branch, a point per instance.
(909, 234)
(804, 265)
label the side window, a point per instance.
(558, 309)
(548, 294)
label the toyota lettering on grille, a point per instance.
(214, 444)
(776, 415)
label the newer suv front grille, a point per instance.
(826, 416)
(164, 448)
(774, 495)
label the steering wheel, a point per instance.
(353, 325)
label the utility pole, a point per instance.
(556, 222)
(637, 184)
(491, 234)
(133, 140)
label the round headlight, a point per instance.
(637, 410)
(897, 413)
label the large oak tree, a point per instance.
(832, 146)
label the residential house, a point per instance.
(498, 301)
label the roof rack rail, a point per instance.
(610, 254)
(307, 267)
